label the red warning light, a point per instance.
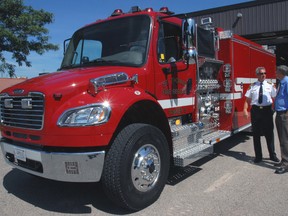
(149, 10)
(166, 11)
(117, 12)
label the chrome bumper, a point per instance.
(61, 166)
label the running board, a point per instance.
(190, 154)
(216, 136)
(190, 144)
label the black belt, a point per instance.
(281, 112)
(261, 107)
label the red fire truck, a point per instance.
(136, 94)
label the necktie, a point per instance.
(260, 98)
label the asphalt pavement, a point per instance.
(226, 183)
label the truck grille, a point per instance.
(23, 111)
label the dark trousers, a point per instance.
(262, 124)
(282, 129)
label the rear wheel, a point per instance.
(136, 167)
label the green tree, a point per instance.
(22, 30)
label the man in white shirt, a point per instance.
(259, 96)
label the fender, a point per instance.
(120, 101)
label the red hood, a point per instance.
(69, 81)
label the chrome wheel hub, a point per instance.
(145, 168)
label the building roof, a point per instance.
(7, 82)
(236, 7)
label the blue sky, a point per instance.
(70, 15)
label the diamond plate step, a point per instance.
(191, 153)
(216, 136)
(192, 146)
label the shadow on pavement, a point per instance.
(60, 197)
(178, 174)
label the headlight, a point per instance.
(85, 116)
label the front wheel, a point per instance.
(136, 167)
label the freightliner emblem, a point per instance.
(18, 91)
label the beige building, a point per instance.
(7, 82)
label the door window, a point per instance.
(169, 43)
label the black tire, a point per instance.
(123, 167)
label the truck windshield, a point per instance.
(116, 42)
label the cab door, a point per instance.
(174, 80)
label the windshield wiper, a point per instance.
(101, 60)
(93, 62)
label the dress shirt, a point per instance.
(281, 100)
(269, 92)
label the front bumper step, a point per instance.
(61, 166)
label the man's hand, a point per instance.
(246, 114)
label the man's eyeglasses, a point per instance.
(262, 73)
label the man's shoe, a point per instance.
(257, 160)
(278, 164)
(281, 170)
(275, 159)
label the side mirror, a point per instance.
(188, 37)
